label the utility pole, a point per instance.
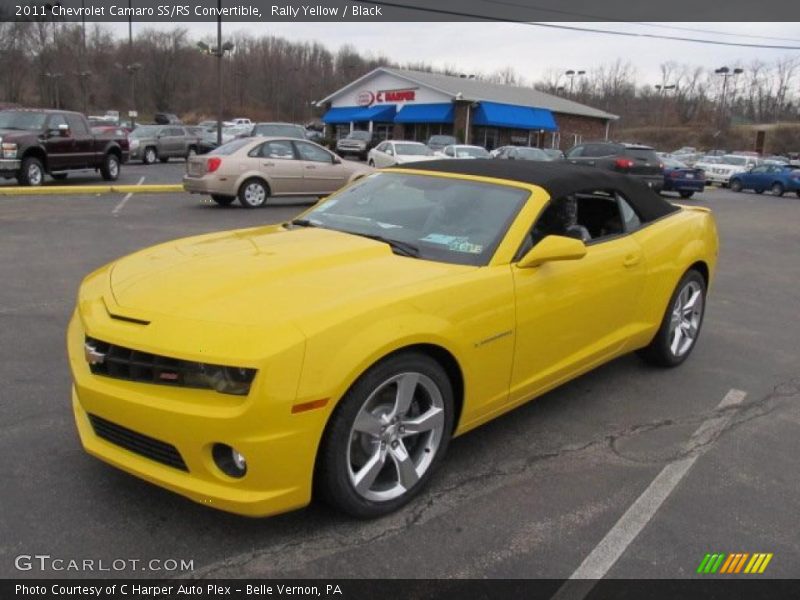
(219, 52)
(726, 74)
(662, 90)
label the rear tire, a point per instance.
(736, 185)
(777, 189)
(223, 200)
(680, 327)
(370, 426)
(253, 193)
(686, 194)
(110, 167)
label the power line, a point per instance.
(454, 13)
(602, 18)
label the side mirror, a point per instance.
(553, 248)
(337, 160)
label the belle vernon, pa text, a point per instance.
(134, 589)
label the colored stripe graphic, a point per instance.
(734, 563)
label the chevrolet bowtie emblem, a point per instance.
(93, 355)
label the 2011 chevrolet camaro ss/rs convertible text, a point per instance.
(340, 352)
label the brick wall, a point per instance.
(587, 129)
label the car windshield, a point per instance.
(739, 161)
(673, 164)
(471, 152)
(532, 154)
(447, 220)
(442, 140)
(280, 130)
(359, 135)
(17, 119)
(144, 131)
(230, 147)
(413, 150)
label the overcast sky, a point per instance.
(531, 51)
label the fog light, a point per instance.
(229, 460)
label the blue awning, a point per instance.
(512, 116)
(425, 113)
(383, 113)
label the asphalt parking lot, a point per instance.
(531, 494)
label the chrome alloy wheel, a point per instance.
(113, 168)
(35, 174)
(395, 436)
(687, 314)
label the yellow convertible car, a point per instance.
(336, 355)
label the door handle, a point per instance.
(268, 164)
(310, 167)
(632, 260)
(591, 162)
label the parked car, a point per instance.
(778, 179)
(390, 153)
(463, 151)
(523, 153)
(728, 165)
(166, 119)
(241, 121)
(438, 142)
(554, 153)
(635, 160)
(339, 352)
(290, 130)
(162, 142)
(36, 142)
(682, 178)
(255, 169)
(358, 143)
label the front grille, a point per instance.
(156, 450)
(120, 362)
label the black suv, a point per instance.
(636, 160)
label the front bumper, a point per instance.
(280, 447)
(9, 165)
(720, 178)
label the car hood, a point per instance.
(13, 134)
(267, 276)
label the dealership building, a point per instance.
(414, 105)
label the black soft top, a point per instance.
(558, 179)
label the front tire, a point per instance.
(253, 193)
(32, 172)
(777, 189)
(736, 185)
(686, 194)
(110, 167)
(150, 156)
(680, 327)
(386, 437)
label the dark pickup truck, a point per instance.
(35, 142)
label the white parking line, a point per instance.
(124, 201)
(616, 541)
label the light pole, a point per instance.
(55, 77)
(662, 91)
(726, 74)
(572, 74)
(219, 51)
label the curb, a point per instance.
(54, 190)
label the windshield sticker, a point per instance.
(454, 243)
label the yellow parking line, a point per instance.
(56, 190)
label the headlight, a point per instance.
(227, 380)
(9, 150)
